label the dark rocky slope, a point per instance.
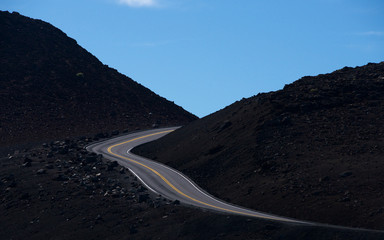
(313, 151)
(50, 87)
(60, 191)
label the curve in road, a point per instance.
(166, 181)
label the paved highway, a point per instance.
(166, 181)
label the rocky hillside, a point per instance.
(50, 87)
(60, 191)
(313, 150)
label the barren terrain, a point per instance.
(313, 150)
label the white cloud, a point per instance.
(139, 3)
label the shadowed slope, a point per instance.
(51, 87)
(312, 151)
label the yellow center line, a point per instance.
(176, 189)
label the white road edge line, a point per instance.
(181, 175)
(141, 180)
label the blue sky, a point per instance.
(206, 54)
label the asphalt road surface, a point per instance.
(166, 181)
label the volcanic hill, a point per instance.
(50, 88)
(313, 150)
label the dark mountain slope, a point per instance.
(49, 195)
(313, 151)
(50, 88)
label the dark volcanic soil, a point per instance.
(59, 191)
(51, 88)
(313, 151)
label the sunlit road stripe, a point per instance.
(141, 180)
(180, 192)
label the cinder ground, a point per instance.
(312, 151)
(59, 191)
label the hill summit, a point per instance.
(50, 87)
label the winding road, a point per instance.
(166, 181)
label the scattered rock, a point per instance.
(345, 174)
(61, 177)
(91, 158)
(143, 197)
(98, 218)
(324, 179)
(49, 166)
(111, 165)
(41, 171)
(27, 164)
